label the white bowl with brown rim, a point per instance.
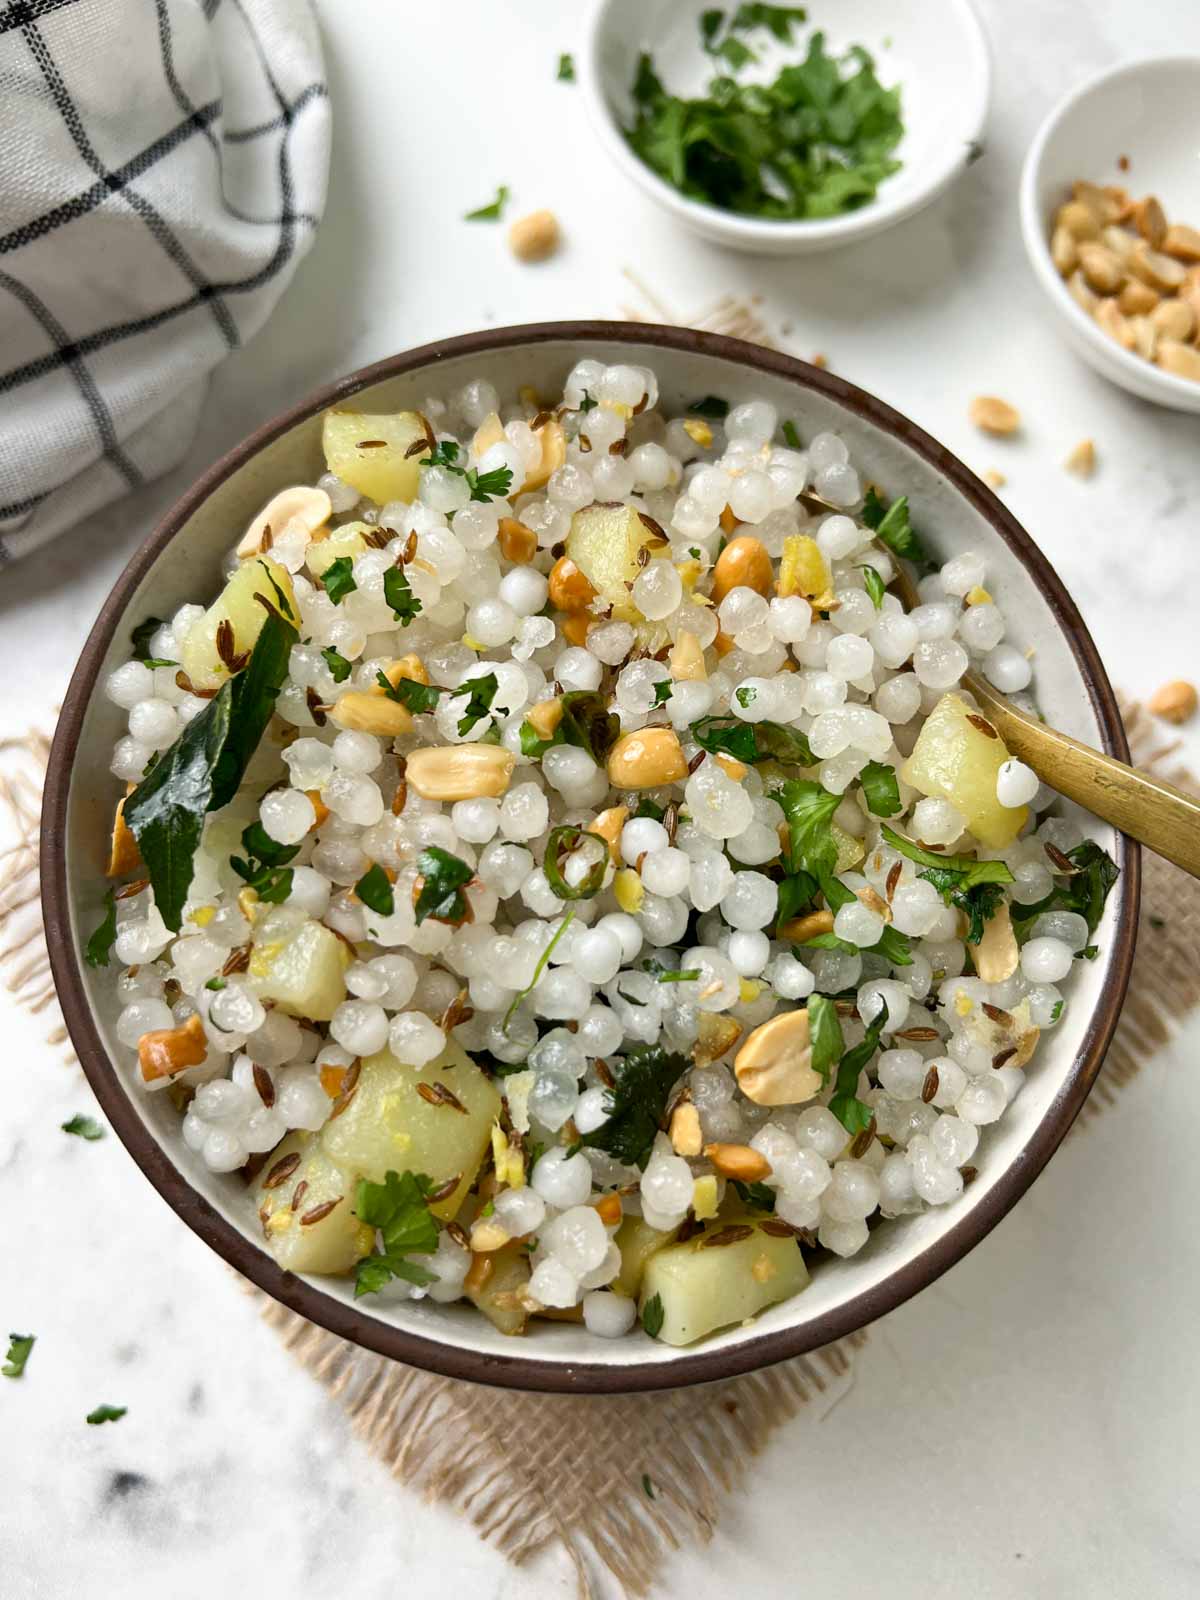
(181, 561)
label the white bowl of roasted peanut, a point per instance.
(1110, 210)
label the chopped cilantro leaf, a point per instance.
(653, 1315)
(874, 585)
(441, 895)
(712, 406)
(825, 1034)
(339, 667)
(880, 787)
(374, 889)
(891, 527)
(745, 697)
(408, 692)
(106, 1414)
(636, 1103)
(587, 403)
(399, 1212)
(566, 68)
(19, 1347)
(397, 591)
(790, 437)
(1084, 892)
(338, 579)
(83, 1127)
(755, 1194)
(492, 212)
(266, 871)
(480, 692)
(662, 691)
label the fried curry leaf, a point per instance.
(202, 771)
(751, 742)
(560, 843)
(1085, 892)
(636, 1103)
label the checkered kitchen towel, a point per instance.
(162, 169)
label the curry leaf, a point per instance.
(636, 1103)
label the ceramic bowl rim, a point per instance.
(1171, 389)
(824, 232)
(520, 1371)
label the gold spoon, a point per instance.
(1148, 809)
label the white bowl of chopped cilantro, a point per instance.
(779, 130)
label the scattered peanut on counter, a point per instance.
(1174, 702)
(1136, 274)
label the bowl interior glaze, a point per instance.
(181, 561)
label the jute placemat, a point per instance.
(616, 1482)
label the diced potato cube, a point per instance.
(370, 453)
(955, 759)
(496, 1286)
(348, 540)
(703, 1287)
(236, 604)
(603, 542)
(302, 969)
(332, 1243)
(637, 1241)
(388, 1125)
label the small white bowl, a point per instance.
(936, 50)
(1148, 111)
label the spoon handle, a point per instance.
(1154, 812)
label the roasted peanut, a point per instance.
(744, 563)
(554, 452)
(738, 1161)
(489, 432)
(1174, 319)
(460, 771)
(1136, 299)
(645, 760)
(1150, 221)
(517, 542)
(1079, 220)
(1181, 359)
(166, 1051)
(1082, 459)
(996, 955)
(370, 711)
(570, 591)
(686, 660)
(574, 629)
(993, 415)
(608, 825)
(1160, 271)
(544, 716)
(1182, 242)
(1174, 702)
(1064, 250)
(1117, 327)
(685, 1134)
(774, 1066)
(1101, 267)
(124, 855)
(297, 510)
(800, 929)
(535, 237)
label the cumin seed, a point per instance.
(730, 1235)
(437, 1094)
(862, 1141)
(444, 1190)
(930, 1087)
(319, 1213)
(1062, 863)
(893, 878)
(236, 961)
(128, 890)
(348, 1090)
(603, 1073)
(263, 1084)
(300, 1191)
(415, 448)
(282, 1170)
(983, 725)
(778, 1228)
(697, 761)
(996, 1014)
(371, 444)
(917, 1035)
(458, 1234)
(1002, 1056)
(315, 709)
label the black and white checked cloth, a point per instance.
(162, 168)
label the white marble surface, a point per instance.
(1029, 1426)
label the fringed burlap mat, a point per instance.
(615, 1482)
